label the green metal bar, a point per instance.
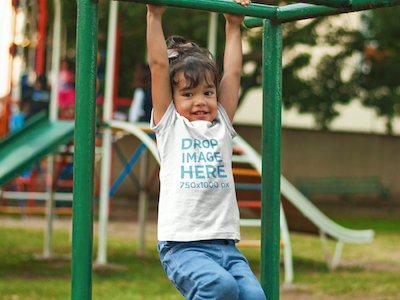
(300, 11)
(330, 3)
(271, 158)
(355, 4)
(86, 63)
(296, 12)
(221, 6)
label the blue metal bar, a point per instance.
(127, 169)
(125, 162)
(248, 186)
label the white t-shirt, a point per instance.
(197, 191)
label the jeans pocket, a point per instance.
(163, 247)
(172, 270)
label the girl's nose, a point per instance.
(199, 101)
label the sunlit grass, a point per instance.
(371, 270)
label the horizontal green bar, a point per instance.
(330, 3)
(353, 4)
(221, 6)
(294, 12)
(300, 11)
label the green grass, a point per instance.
(24, 278)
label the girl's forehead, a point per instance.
(186, 84)
(180, 77)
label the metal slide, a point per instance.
(27, 146)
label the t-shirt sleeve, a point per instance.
(166, 120)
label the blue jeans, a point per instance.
(212, 270)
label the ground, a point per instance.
(128, 229)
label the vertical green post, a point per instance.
(271, 158)
(86, 72)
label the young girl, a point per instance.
(192, 115)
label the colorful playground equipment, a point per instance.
(271, 18)
(273, 222)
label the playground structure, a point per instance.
(271, 213)
(271, 18)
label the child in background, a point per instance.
(66, 90)
(198, 223)
(141, 106)
(39, 99)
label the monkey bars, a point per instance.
(271, 18)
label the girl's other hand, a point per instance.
(156, 9)
(243, 2)
(234, 19)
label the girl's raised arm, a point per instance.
(158, 62)
(228, 94)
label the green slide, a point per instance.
(37, 139)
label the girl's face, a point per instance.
(195, 103)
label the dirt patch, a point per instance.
(370, 266)
(123, 229)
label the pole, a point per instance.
(213, 33)
(271, 151)
(106, 148)
(143, 204)
(55, 70)
(41, 48)
(82, 238)
(48, 238)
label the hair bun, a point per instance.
(175, 41)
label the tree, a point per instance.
(379, 76)
(359, 62)
(191, 24)
(352, 62)
(313, 86)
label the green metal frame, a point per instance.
(86, 58)
(349, 3)
(271, 18)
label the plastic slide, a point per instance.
(306, 207)
(27, 146)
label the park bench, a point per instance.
(343, 186)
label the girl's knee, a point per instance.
(219, 288)
(254, 292)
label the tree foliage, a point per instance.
(326, 61)
(359, 62)
(309, 84)
(379, 76)
(191, 24)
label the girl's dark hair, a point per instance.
(196, 64)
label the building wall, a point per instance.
(305, 153)
(316, 153)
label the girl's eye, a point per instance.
(208, 93)
(188, 95)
